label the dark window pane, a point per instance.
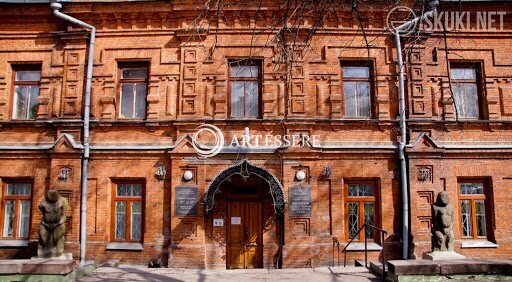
(353, 219)
(465, 210)
(28, 75)
(244, 71)
(134, 73)
(120, 220)
(129, 190)
(24, 219)
(140, 101)
(136, 221)
(127, 95)
(19, 189)
(360, 190)
(357, 99)
(466, 99)
(463, 73)
(356, 72)
(33, 104)
(21, 103)
(350, 97)
(480, 218)
(472, 188)
(251, 99)
(25, 105)
(8, 228)
(363, 103)
(369, 210)
(237, 99)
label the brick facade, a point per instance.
(189, 86)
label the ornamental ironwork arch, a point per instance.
(245, 169)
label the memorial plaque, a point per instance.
(185, 201)
(218, 222)
(300, 201)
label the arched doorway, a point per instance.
(251, 202)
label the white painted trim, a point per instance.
(13, 243)
(466, 244)
(125, 246)
(360, 246)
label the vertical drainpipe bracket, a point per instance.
(86, 119)
(403, 127)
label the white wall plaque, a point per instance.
(236, 220)
(218, 222)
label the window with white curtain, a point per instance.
(357, 91)
(465, 92)
(133, 92)
(244, 78)
(26, 92)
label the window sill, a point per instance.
(13, 243)
(466, 244)
(125, 246)
(360, 247)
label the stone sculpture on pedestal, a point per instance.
(442, 230)
(442, 218)
(52, 228)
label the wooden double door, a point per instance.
(244, 235)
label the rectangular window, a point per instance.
(245, 86)
(473, 210)
(133, 86)
(16, 202)
(357, 91)
(360, 209)
(127, 218)
(466, 92)
(26, 92)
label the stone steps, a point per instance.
(401, 268)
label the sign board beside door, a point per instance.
(185, 201)
(300, 201)
(235, 220)
(218, 222)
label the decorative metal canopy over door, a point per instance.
(245, 169)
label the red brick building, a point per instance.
(162, 69)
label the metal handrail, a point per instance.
(383, 234)
(335, 242)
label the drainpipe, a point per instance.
(87, 109)
(403, 125)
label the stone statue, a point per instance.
(52, 228)
(442, 229)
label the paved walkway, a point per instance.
(133, 273)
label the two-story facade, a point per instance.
(162, 69)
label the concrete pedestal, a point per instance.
(43, 269)
(37, 266)
(445, 255)
(65, 256)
